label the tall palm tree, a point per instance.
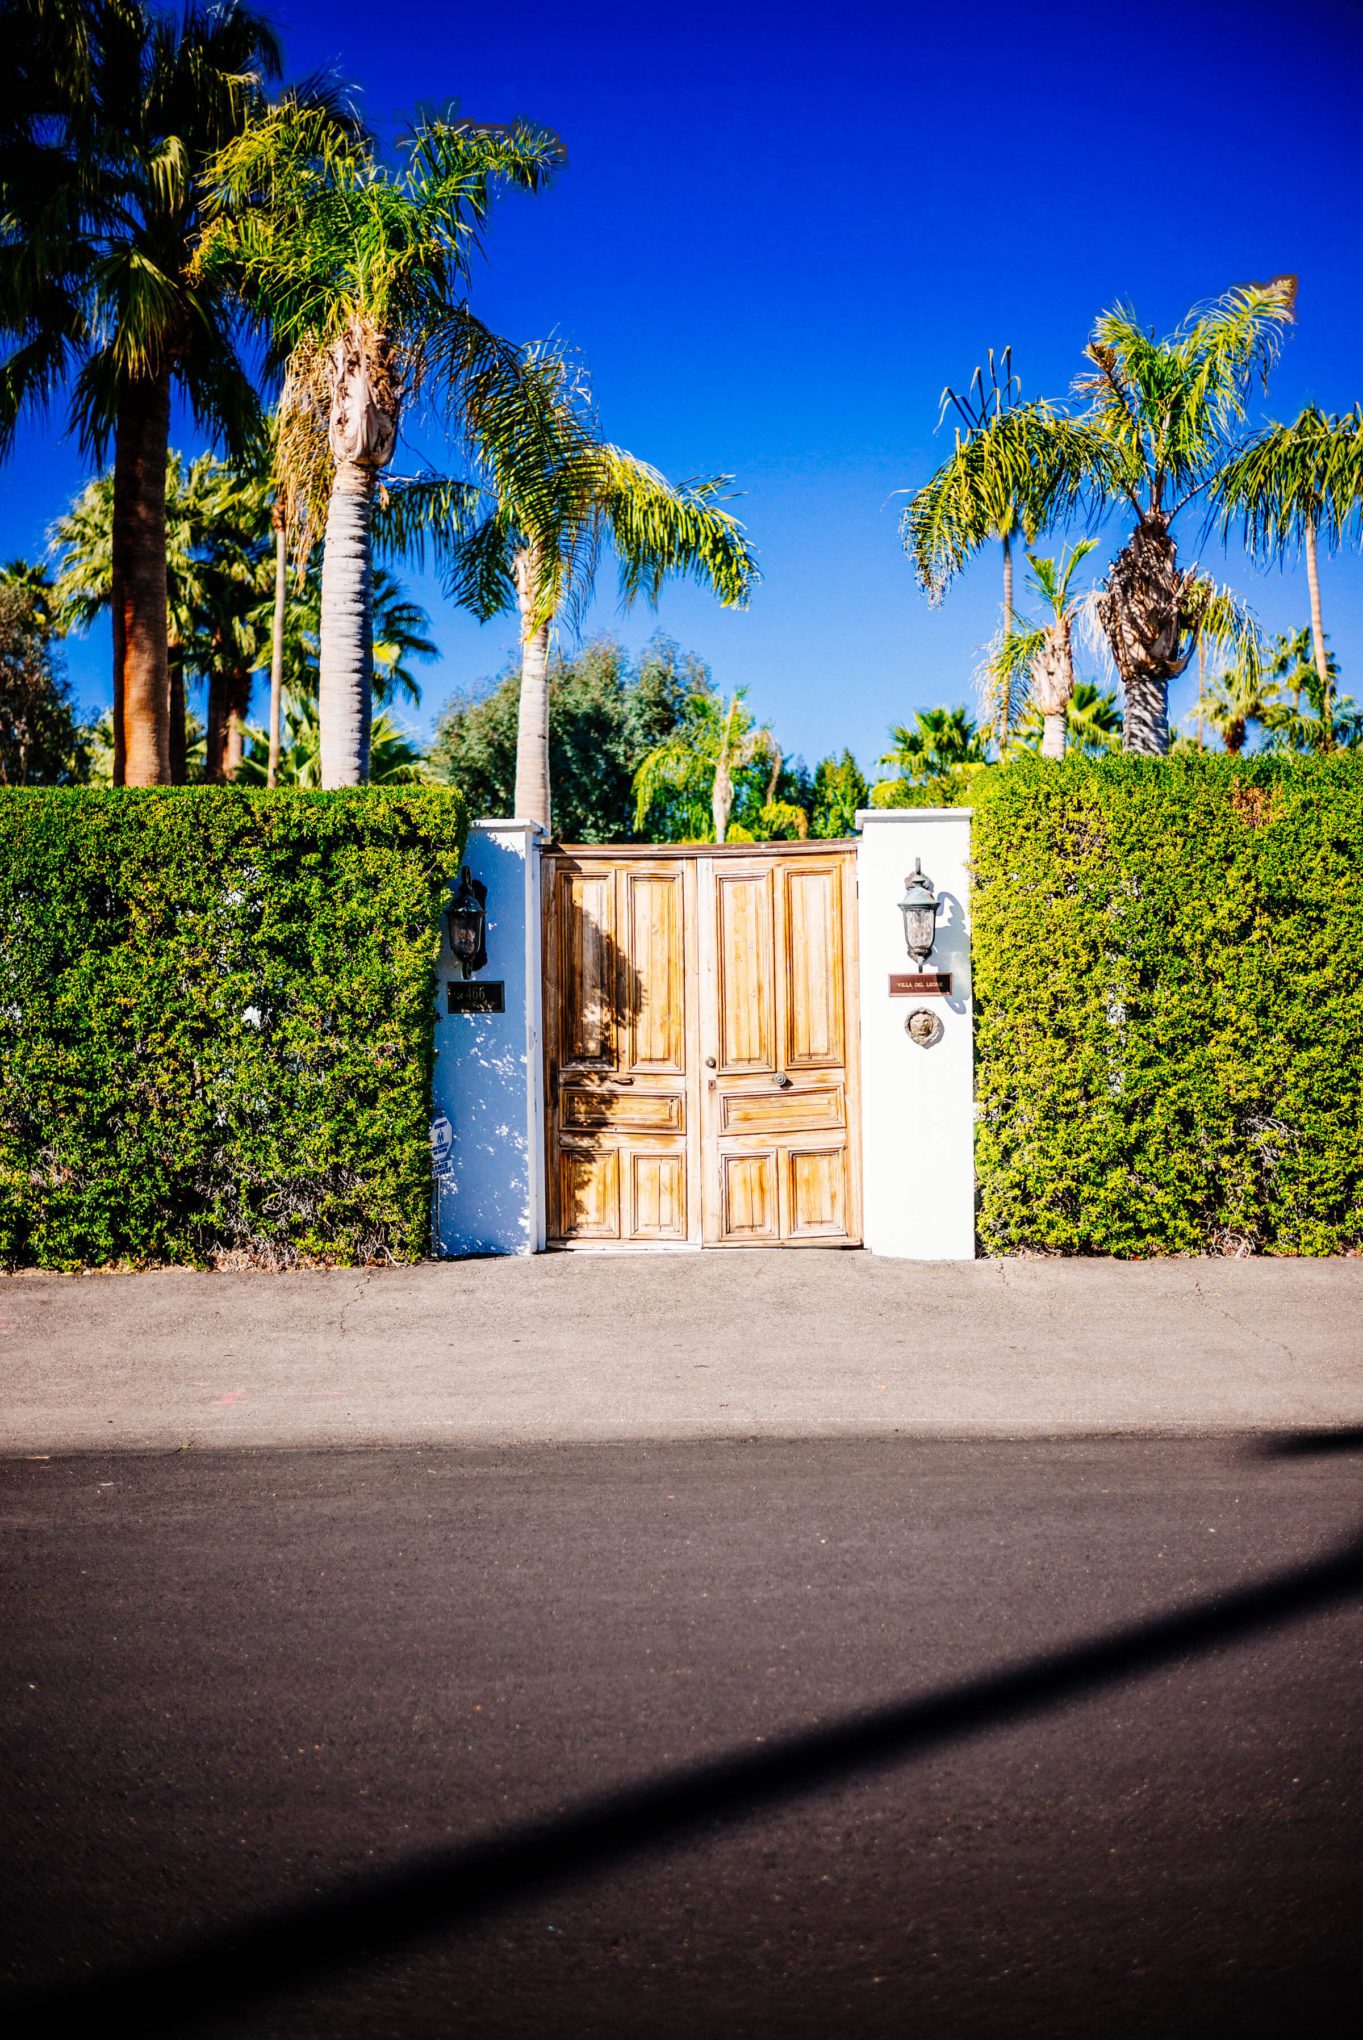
(1043, 653)
(1012, 470)
(1297, 485)
(359, 274)
(1160, 424)
(540, 552)
(100, 160)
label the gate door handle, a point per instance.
(782, 1081)
(709, 1062)
(623, 1080)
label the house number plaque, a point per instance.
(473, 997)
(912, 984)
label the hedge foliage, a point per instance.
(1170, 1005)
(216, 1023)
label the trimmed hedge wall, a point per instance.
(216, 1023)
(1170, 1006)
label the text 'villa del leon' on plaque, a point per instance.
(912, 984)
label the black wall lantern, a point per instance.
(467, 920)
(919, 906)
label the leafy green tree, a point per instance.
(605, 716)
(539, 552)
(42, 741)
(1298, 485)
(359, 273)
(112, 112)
(837, 793)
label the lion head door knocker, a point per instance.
(923, 1027)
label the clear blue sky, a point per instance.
(782, 229)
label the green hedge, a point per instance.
(1170, 1006)
(216, 1020)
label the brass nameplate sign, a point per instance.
(912, 984)
(475, 998)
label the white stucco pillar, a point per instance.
(918, 1109)
(487, 1090)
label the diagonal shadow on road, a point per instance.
(228, 1972)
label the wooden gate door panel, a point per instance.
(778, 1131)
(700, 1047)
(617, 1025)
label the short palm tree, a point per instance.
(941, 743)
(1159, 426)
(215, 564)
(1093, 723)
(1041, 656)
(539, 552)
(394, 760)
(120, 110)
(1238, 694)
(694, 772)
(359, 276)
(1297, 485)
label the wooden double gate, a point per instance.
(701, 1046)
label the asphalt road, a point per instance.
(813, 1738)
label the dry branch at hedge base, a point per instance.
(216, 1021)
(1170, 1006)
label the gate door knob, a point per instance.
(783, 1082)
(709, 1062)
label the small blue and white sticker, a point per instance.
(442, 1139)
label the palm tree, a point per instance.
(1093, 723)
(942, 744)
(1310, 714)
(1158, 429)
(214, 565)
(1296, 485)
(1011, 471)
(694, 772)
(1237, 694)
(394, 760)
(1043, 653)
(540, 552)
(359, 274)
(100, 161)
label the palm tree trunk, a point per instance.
(1327, 708)
(532, 799)
(277, 645)
(345, 681)
(1006, 691)
(238, 708)
(215, 735)
(722, 792)
(1145, 723)
(1201, 686)
(177, 741)
(1053, 734)
(138, 574)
